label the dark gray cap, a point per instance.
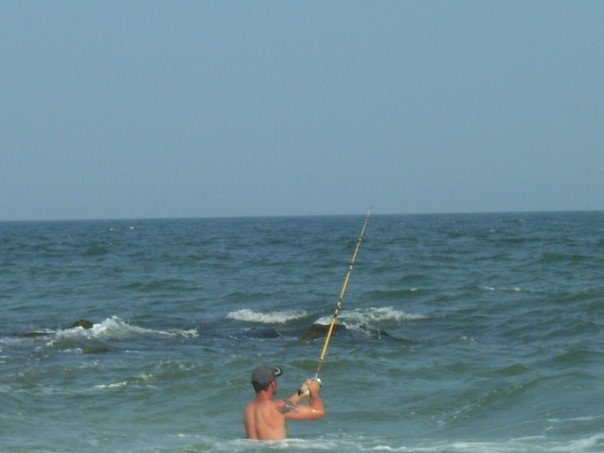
(265, 374)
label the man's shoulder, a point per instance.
(285, 406)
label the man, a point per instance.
(266, 418)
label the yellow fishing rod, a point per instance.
(339, 303)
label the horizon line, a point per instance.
(259, 216)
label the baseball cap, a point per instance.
(265, 374)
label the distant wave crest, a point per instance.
(514, 289)
(269, 317)
(116, 328)
(372, 315)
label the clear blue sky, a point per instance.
(113, 109)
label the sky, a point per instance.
(143, 109)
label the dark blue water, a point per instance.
(478, 332)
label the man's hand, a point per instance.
(314, 385)
(314, 410)
(310, 387)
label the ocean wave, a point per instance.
(358, 442)
(396, 294)
(115, 385)
(141, 379)
(514, 289)
(363, 320)
(372, 315)
(115, 328)
(366, 321)
(269, 317)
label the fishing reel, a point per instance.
(304, 390)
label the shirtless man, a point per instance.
(265, 418)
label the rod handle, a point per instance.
(304, 390)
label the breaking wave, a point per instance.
(372, 315)
(269, 317)
(115, 328)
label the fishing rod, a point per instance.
(338, 308)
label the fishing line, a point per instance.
(340, 301)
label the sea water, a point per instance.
(476, 332)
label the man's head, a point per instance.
(263, 376)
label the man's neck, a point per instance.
(265, 395)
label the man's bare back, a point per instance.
(264, 421)
(266, 418)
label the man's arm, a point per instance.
(314, 410)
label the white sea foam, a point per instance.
(111, 386)
(116, 328)
(268, 317)
(502, 289)
(372, 315)
(289, 444)
(363, 443)
(144, 377)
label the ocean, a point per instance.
(459, 332)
